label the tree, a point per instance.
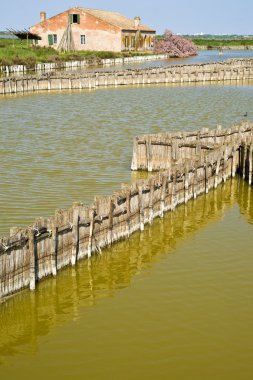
(175, 46)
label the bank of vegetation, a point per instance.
(222, 42)
(18, 52)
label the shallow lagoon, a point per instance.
(174, 301)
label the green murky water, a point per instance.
(57, 148)
(172, 302)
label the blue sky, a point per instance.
(181, 16)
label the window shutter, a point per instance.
(50, 39)
(71, 19)
(78, 19)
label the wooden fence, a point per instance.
(230, 70)
(30, 254)
(81, 64)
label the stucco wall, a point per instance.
(99, 35)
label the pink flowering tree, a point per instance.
(175, 46)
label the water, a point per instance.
(57, 148)
(172, 302)
(204, 56)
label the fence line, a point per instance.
(198, 162)
(230, 70)
(84, 63)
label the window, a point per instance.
(132, 42)
(82, 39)
(52, 39)
(74, 19)
(126, 41)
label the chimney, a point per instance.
(42, 16)
(137, 21)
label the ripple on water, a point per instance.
(61, 147)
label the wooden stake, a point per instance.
(75, 233)
(141, 210)
(92, 218)
(32, 259)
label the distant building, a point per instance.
(92, 29)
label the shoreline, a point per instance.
(235, 47)
(228, 70)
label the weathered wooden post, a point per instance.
(174, 191)
(206, 177)
(32, 259)
(216, 176)
(75, 233)
(224, 170)
(195, 181)
(250, 163)
(128, 207)
(110, 221)
(91, 218)
(151, 199)
(163, 194)
(141, 209)
(149, 155)
(244, 157)
(54, 246)
(233, 162)
(186, 183)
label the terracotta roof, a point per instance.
(116, 19)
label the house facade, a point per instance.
(91, 29)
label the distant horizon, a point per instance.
(216, 18)
(6, 32)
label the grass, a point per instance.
(18, 52)
(222, 42)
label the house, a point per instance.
(91, 29)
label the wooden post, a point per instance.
(244, 155)
(140, 196)
(54, 247)
(10, 89)
(225, 158)
(174, 150)
(149, 155)
(163, 194)
(195, 181)
(206, 177)
(216, 178)
(127, 191)
(32, 259)
(151, 199)
(75, 233)
(250, 163)
(174, 191)
(233, 162)
(91, 217)
(186, 184)
(110, 222)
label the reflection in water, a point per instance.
(27, 316)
